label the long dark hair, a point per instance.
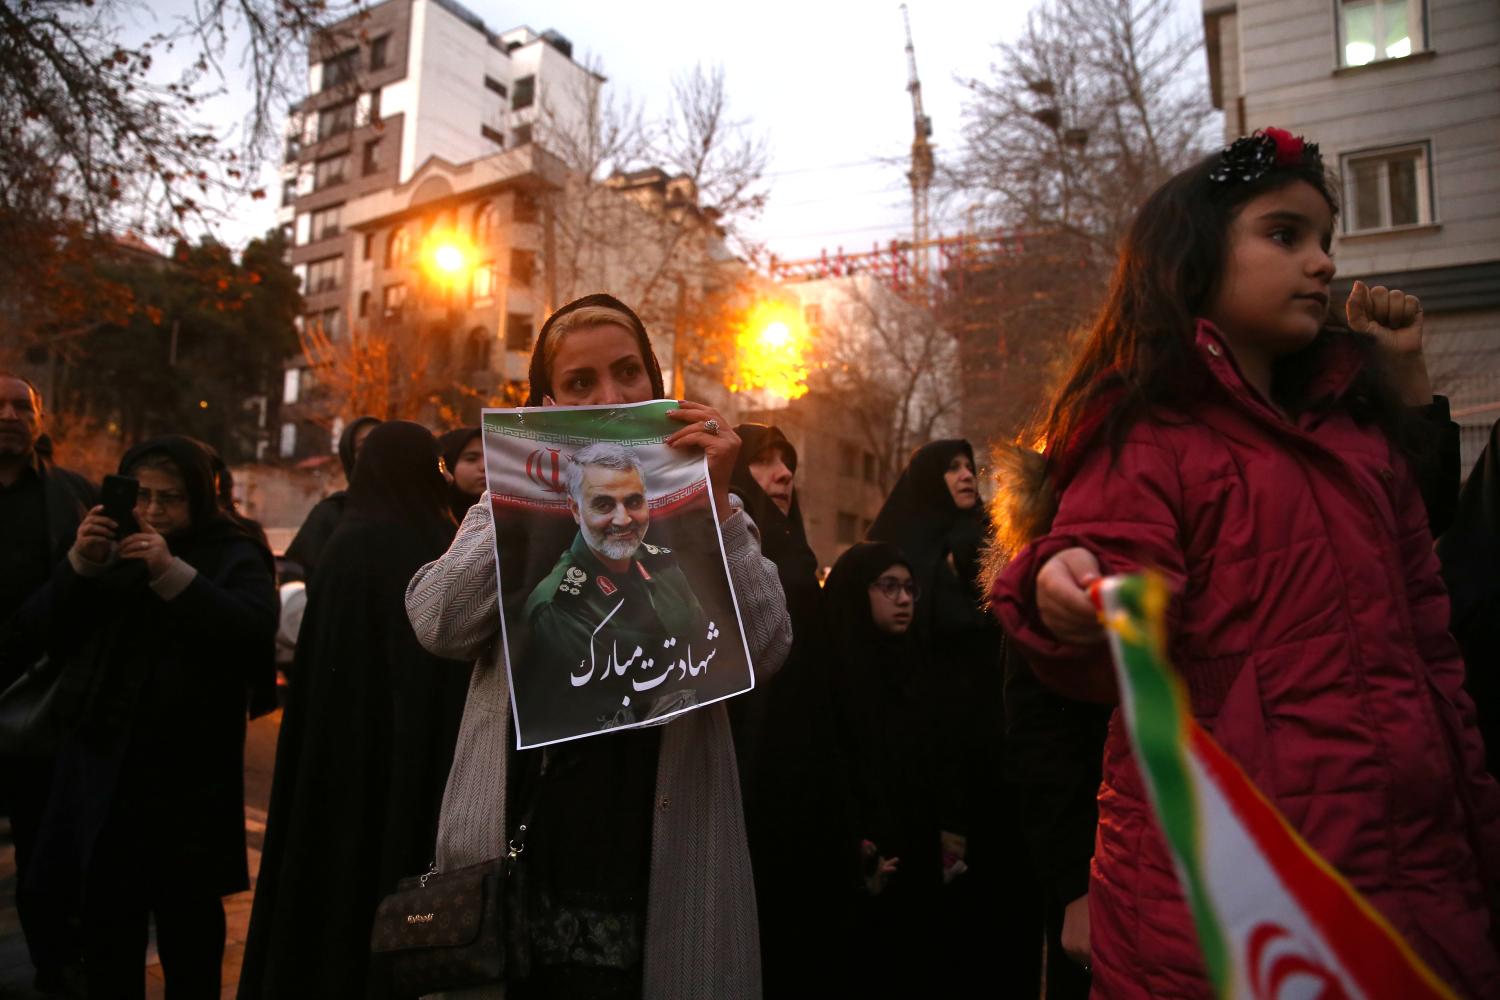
(1139, 354)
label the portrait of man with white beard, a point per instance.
(616, 612)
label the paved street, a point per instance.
(260, 754)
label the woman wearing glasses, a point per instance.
(160, 625)
(899, 770)
(991, 916)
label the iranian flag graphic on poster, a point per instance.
(616, 607)
(1274, 919)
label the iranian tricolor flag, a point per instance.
(1274, 919)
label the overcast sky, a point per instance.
(825, 81)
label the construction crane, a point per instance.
(921, 170)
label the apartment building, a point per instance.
(1403, 96)
(405, 85)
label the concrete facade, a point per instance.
(405, 84)
(1403, 97)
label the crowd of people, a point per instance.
(928, 792)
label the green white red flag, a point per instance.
(1274, 919)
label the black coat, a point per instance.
(366, 740)
(155, 690)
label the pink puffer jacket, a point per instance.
(1310, 625)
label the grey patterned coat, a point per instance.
(702, 941)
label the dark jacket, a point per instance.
(67, 497)
(153, 689)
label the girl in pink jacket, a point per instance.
(1219, 427)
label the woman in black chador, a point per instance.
(367, 738)
(306, 549)
(161, 626)
(463, 454)
(992, 912)
(898, 769)
(797, 809)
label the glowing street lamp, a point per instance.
(771, 348)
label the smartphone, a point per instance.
(118, 495)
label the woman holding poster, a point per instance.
(604, 619)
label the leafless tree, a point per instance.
(1080, 118)
(1096, 104)
(650, 207)
(891, 365)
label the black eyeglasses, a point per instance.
(889, 586)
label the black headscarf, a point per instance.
(541, 379)
(782, 536)
(852, 634)
(452, 445)
(921, 518)
(210, 523)
(397, 480)
(347, 456)
(885, 715)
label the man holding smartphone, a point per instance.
(40, 509)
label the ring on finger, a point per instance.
(711, 425)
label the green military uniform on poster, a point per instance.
(609, 638)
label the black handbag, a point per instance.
(453, 930)
(29, 715)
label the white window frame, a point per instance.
(1426, 207)
(1416, 19)
(288, 443)
(291, 385)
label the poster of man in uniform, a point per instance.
(615, 599)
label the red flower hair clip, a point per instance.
(1249, 157)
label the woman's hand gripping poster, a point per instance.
(615, 600)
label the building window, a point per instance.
(522, 268)
(397, 246)
(340, 69)
(288, 193)
(517, 331)
(477, 350)
(1388, 188)
(486, 221)
(323, 275)
(847, 529)
(335, 120)
(380, 52)
(291, 381)
(482, 288)
(325, 222)
(522, 135)
(364, 304)
(327, 324)
(393, 300)
(523, 207)
(492, 135)
(288, 440)
(495, 85)
(330, 170)
(1373, 30)
(293, 148)
(288, 233)
(848, 459)
(372, 157)
(869, 467)
(525, 94)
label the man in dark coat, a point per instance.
(40, 507)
